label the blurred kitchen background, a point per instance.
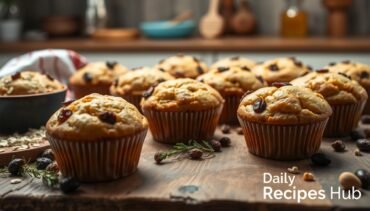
(124, 29)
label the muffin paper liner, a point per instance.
(228, 115)
(367, 104)
(173, 127)
(283, 142)
(81, 91)
(344, 119)
(94, 161)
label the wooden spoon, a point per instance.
(186, 15)
(211, 24)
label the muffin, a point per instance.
(28, 83)
(281, 70)
(358, 72)
(133, 84)
(231, 83)
(346, 97)
(181, 110)
(97, 138)
(183, 66)
(95, 78)
(235, 61)
(283, 122)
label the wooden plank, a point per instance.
(231, 180)
(231, 44)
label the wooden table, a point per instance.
(230, 181)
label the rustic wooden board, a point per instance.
(231, 180)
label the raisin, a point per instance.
(225, 129)
(225, 141)
(345, 75)
(64, 114)
(298, 63)
(111, 64)
(108, 117)
(245, 68)
(67, 103)
(322, 71)
(222, 69)
(195, 154)
(68, 185)
(48, 153)
(363, 145)
(364, 176)
(179, 74)
(87, 77)
(196, 60)
(201, 80)
(148, 92)
(49, 77)
(364, 74)
(332, 63)
(161, 69)
(260, 79)
(15, 166)
(42, 163)
(305, 73)
(355, 135)
(365, 119)
(16, 76)
(234, 58)
(216, 145)
(309, 68)
(281, 84)
(200, 70)
(259, 105)
(273, 67)
(346, 62)
(160, 80)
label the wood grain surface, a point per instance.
(232, 180)
(254, 44)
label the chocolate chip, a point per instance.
(260, 79)
(234, 58)
(298, 63)
(320, 159)
(273, 67)
(108, 117)
(63, 115)
(338, 146)
(322, 71)
(49, 77)
(200, 80)
(309, 68)
(148, 92)
(281, 84)
(160, 80)
(196, 59)
(225, 129)
(259, 105)
(67, 103)
(363, 145)
(222, 69)
(161, 69)
(111, 64)
(200, 70)
(87, 77)
(245, 94)
(364, 74)
(346, 62)
(179, 74)
(305, 73)
(16, 76)
(365, 119)
(115, 82)
(245, 68)
(332, 63)
(345, 75)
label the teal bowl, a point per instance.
(166, 30)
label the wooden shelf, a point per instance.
(254, 44)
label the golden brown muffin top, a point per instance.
(281, 69)
(287, 105)
(357, 71)
(98, 73)
(235, 61)
(181, 95)
(96, 117)
(183, 66)
(137, 81)
(231, 80)
(27, 83)
(336, 88)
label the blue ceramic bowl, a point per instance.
(166, 30)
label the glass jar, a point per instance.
(294, 20)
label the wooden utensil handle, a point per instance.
(213, 6)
